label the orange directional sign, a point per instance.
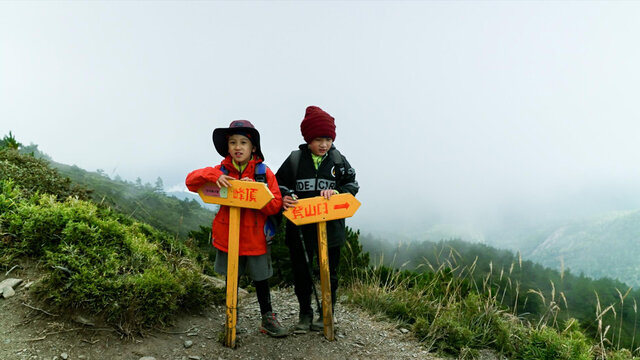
(245, 194)
(317, 209)
(320, 210)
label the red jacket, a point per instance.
(252, 239)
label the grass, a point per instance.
(451, 312)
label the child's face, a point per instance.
(240, 148)
(320, 146)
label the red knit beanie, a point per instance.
(317, 123)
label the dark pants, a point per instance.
(264, 295)
(301, 276)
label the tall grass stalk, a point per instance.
(602, 334)
(622, 297)
(515, 303)
(551, 309)
(635, 322)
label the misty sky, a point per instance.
(453, 111)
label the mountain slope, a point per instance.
(145, 203)
(605, 246)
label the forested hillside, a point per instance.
(144, 202)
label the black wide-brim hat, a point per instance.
(242, 127)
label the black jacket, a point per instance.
(307, 182)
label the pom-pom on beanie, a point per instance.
(317, 123)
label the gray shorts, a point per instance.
(256, 267)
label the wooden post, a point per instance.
(325, 281)
(241, 194)
(232, 277)
(320, 210)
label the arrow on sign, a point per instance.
(342, 206)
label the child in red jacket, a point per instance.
(240, 146)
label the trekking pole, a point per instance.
(306, 259)
(309, 268)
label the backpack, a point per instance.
(273, 221)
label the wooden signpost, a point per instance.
(320, 210)
(241, 194)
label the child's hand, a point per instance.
(223, 181)
(327, 193)
(246, 178)
(289, 202)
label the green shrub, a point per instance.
(622, 354)
(400, 310)
(34, 175)
(471, 323)
(9, 196)
(133, 275)
(453, 332)
(547, 344)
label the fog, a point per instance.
(473, 115)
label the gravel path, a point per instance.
(27, 332)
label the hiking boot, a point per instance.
(304, 323)
(271, 326)
(318, 324)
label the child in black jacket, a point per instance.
(316, 169)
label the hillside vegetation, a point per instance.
(104, 261)
(143, 202)
(96, 259)
(603, 309)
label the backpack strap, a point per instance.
(261, 173)
(336, 157)
(273, 221)
(294, 161)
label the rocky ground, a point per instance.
(29, 330)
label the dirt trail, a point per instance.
(27, 332)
